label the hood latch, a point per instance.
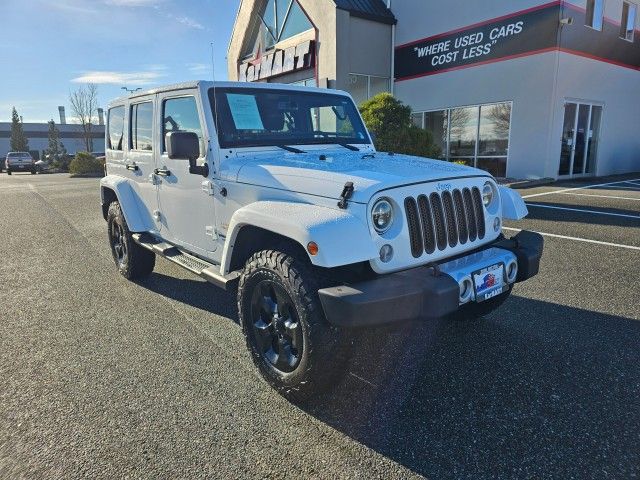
(346, 194)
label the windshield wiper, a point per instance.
(350, 147)
(290, 149)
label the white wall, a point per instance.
(618, 89)
(422, 18)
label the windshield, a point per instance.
(253, 117)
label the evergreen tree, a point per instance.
(390, 121)
(19, 142)
(56, 153)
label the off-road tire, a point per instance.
(8, 172)
(474, 311)
(134, 261)
(324, 351)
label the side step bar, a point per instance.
(209, 271)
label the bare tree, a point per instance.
(84, 103)
(500, 114)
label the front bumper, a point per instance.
(425, 292)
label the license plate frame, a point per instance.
(488, 282)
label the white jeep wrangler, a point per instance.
(278, 193)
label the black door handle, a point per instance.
(132, 167)
(163, 172)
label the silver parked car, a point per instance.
(20, 162)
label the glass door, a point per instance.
(580, 132)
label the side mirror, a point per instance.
(186, 146)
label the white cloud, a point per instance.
(119, 78)
(186, 21)
(131, 3)
(198, 68)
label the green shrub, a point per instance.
(390, 121)
(85, 164)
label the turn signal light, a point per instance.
(312, 248)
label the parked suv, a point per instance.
(20, 162)
(277, 194)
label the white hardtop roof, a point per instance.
(206, 84)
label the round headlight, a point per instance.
(487, 194)
(382, 215)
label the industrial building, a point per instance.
(522, 89)
(71, 136)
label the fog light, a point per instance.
(496, 224)
(386, 253)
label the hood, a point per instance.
(370, 173)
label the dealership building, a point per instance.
(522, 89)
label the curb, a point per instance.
(87, 175)
(530, 183)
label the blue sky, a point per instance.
(50, 47)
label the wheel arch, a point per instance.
(342, 237)
(117, 188)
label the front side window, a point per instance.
(116, 128)
(141, 126)
(628, 24)
(181, 115)
(595, 14)
(259, 117)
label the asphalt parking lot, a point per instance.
(102, 378)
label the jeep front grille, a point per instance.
(449, 218)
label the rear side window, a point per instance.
(141, 126)
(181, 115)
(116, 128)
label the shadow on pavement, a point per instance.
(534, 390)
(549, 391)
(551, 215)
(196, 293)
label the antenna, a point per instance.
(215, 102)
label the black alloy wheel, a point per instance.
(118, 242)
(290, 341)
(276, 328)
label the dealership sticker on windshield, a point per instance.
(489, 282)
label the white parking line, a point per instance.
(595, 212)
(577, 239)
(578, 188)
(633, 183)
(617, 187)
(600, 196)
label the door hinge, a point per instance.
(207, 187)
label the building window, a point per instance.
(477, 136)
(595, 14)
(628, 24)
(309, 82)
(115, 128)
(280, 19)
(363, 87)
(141, 126)
(438, 124)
